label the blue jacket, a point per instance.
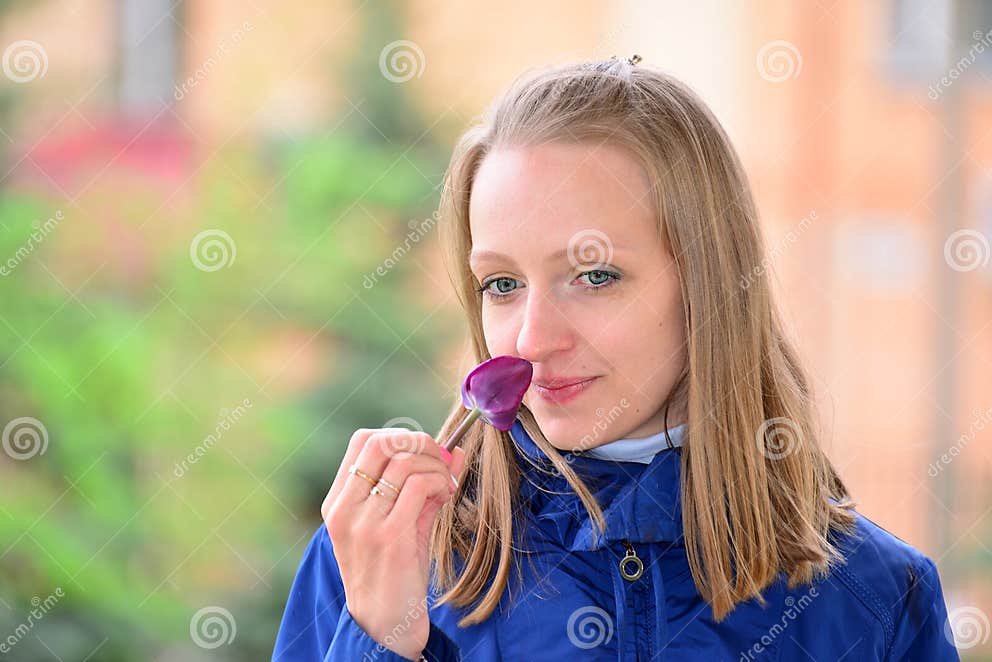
(884, 603)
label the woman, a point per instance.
(672, 502)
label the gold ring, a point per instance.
(378, 490)
(353, 469)
(385, 482)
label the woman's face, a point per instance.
(578, 281)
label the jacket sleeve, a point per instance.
(316, 624)
(923, 633)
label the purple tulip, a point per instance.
(493, 391)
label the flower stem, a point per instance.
(462, 428)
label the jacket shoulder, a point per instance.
(897, 583)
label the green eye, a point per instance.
(598, 279)
(501, 279)
(595, 281)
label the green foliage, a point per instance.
(192, 395)
(143, 508)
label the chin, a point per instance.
(564, 433)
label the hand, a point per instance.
(382, 541)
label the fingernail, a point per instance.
(445, 454)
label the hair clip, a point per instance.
(632, 60)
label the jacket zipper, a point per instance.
(631, 569)
(631, 566)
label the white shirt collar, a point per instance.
(638, 449)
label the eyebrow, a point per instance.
(492, 255)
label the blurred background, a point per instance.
(219, 257)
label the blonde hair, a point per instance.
(750, 510)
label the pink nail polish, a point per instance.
(445, 454)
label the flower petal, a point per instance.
(497, 387)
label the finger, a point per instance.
(355, 445)
(396, 474)
(457, 463)
(401, 440)
(376, 453)
(416, 491)
(372, 460)
(403, 465)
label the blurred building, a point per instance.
(866, 129)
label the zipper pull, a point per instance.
(631, 558)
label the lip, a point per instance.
(566, 390)
(558, 382)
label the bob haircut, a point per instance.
(759, 495)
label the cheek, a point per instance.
(667, 358)
(500, 338)
(647, 355)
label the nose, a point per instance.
(544, 330)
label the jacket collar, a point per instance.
(640, 502)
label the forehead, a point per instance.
(535, 201)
